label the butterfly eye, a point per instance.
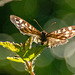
(43, 33)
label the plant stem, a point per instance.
(29, 67)
(32, 73)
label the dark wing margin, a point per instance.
(24, 27)
(60, 36)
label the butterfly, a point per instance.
(52, 39)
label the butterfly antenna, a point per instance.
(51, 25)
(38, 24)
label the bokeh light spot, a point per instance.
(19, 38)
(69, 19)
(44, 59)
(18, 66)
(48, 27)
(70, 68)
(69, 54)
(58, 52)
(5, 37)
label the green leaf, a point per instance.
(11, 46)
(32, 53)
(25, 51)
(15, 59)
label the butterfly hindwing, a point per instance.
(52, 42)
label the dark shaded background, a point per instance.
(56, 61)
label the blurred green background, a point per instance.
(55, 61)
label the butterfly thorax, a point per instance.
(43, 37)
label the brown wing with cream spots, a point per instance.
(52, 42)
(63, 33)
(23, 26)
(59, 37)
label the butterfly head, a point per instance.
(44, 33)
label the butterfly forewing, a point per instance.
(59, 37)
(63, 33)
(23, 26)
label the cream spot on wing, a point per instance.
(64, 30)
(17, 22)
(30, 26)
(63, 38)
(23, 25)
(17, 25)
(33, 28)
(15, 18)
(57, 40)
(73, 30)
(70, 28)
(67, 32)
(26, 24)
(20, 20)
(59, 31)
(66, 35)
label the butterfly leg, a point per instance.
(49, 44)
(35, 39)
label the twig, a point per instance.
(29, 67)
